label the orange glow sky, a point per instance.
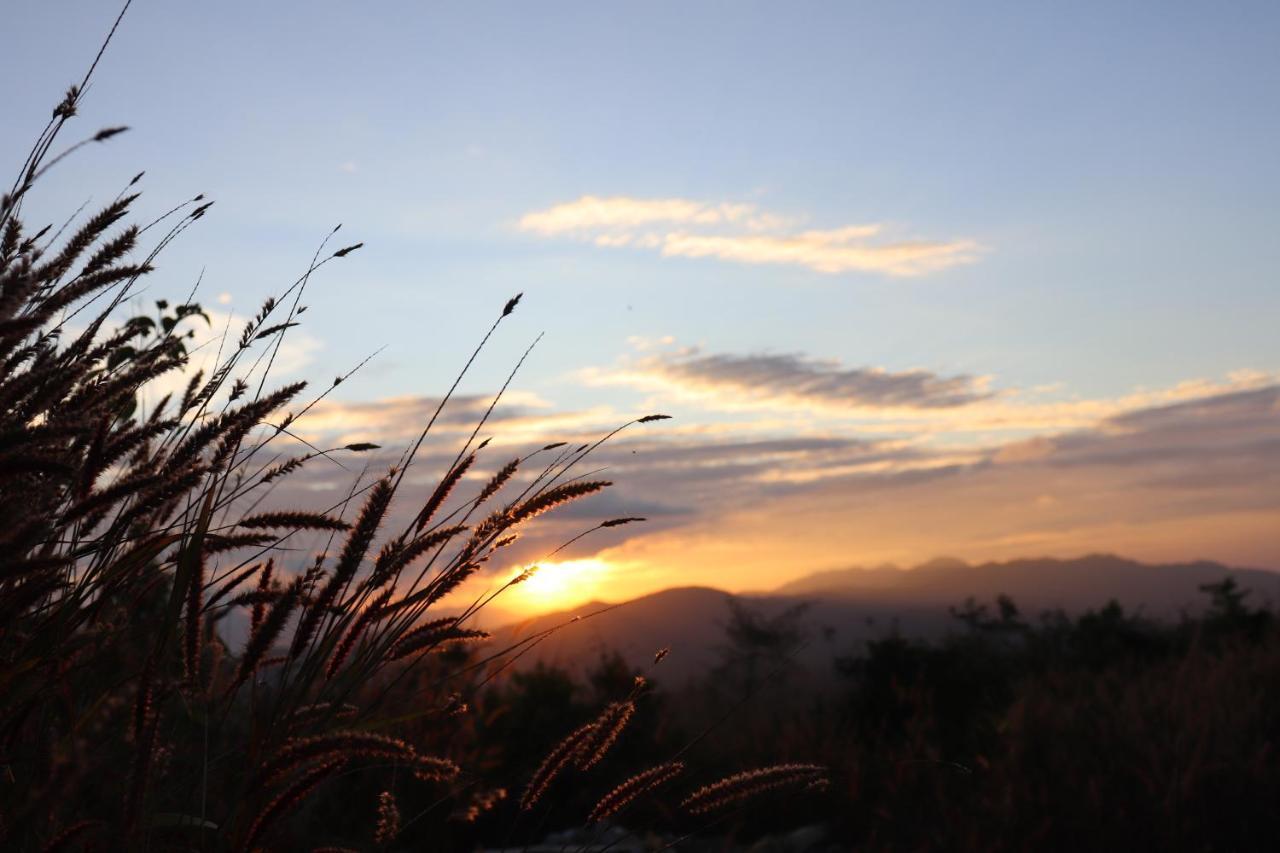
(1165, 475)
(987, 282)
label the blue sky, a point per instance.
(1105, 173)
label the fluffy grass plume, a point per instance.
(636, 786)
(750, 783)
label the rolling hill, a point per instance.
(845, 608)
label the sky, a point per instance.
(983, 279)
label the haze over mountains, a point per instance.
(845, 608)
(1036, 584)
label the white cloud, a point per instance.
(521, 417)
(591, 213)
(836, 251)
(743, 233)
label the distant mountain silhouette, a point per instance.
(847, 607)
(1038, 584)
(691, 622)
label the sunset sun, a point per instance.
(559, 586)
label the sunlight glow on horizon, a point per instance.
(558, 585)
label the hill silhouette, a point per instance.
(845, 608)
(1038, 583)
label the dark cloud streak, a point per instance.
(792, 376)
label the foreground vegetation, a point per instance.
(1102, 730)
(1107, 731)
(136, 526)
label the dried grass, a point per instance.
(128, 536)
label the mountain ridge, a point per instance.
(850, 606)
(1085, 581)
(846, 607)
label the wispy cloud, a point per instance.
(743, 233)
(521, 416)
(591, 214)
(784, 464)
(1195, 478)
(1189, 470)
(880, 401)
(836, 251)
(792, 378)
